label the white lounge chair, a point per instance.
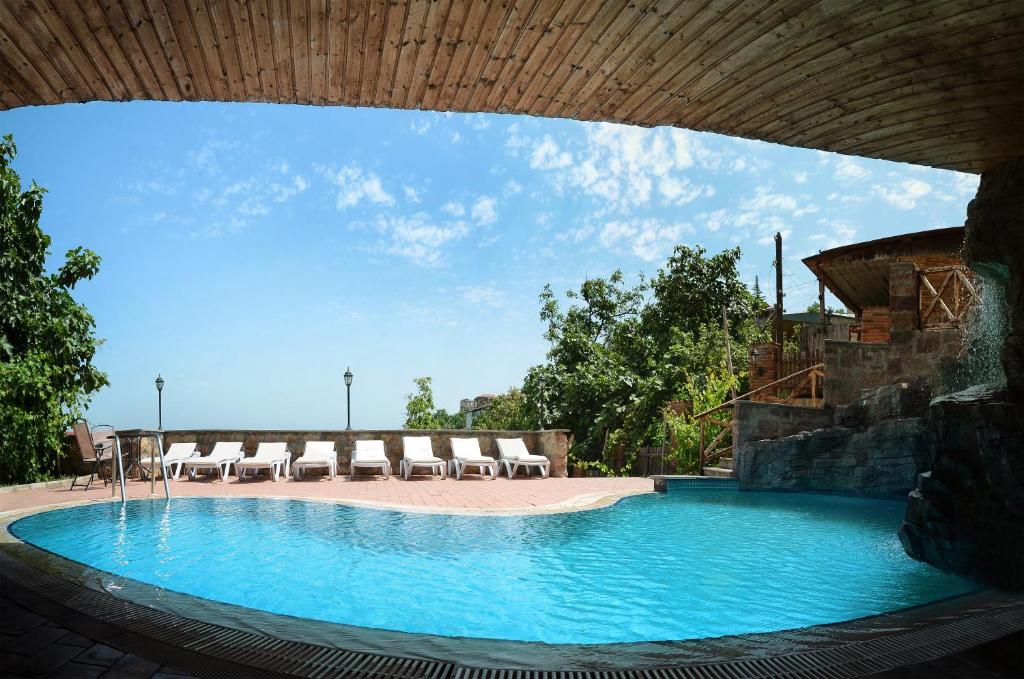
(515, 455)
(466, 453)
(223, 455)
(176, 457)
(417, 452)
(272, 456)
(369, 455)
(317, 455)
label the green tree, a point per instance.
(619, 353)
(47, 340)
(421, 413)
(508, 412)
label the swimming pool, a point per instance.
(652, 567)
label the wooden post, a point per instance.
(728, 351)
(778, 302)
(700, 450)
(821, 302)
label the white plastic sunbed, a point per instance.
(177, 455)
(417, 452)
(369, 455)
(223, 455)
(317, 455)
(466, 453)
(515, 455)
(272, 456)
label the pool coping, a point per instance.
(259, 641)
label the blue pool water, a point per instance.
(652, 567)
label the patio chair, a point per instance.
(466, 453)
(515, 455)
(270, 456)
(223, 455)
(417, 452)
(317, 455)
(369, 455)
(96, 446)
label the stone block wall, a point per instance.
(552, 443)
(756, 420)
(874, 447)
(917, 355)
(851, 367)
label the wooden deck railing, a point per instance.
(715, 450)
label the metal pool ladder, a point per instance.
(118, 469)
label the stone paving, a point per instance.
(32, 646)
(421, 492)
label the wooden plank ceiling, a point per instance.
(933, 82)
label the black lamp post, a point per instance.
(160, 402)
(348, 398)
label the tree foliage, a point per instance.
(510, 411)
(421, 413)
(47, 339)
(619, 353)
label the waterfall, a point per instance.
(986, 327)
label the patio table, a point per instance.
(132, 440)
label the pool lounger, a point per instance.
(177, 455)
(272, 456)
(369, 455)
(418, 452)
(317, 455)
(466, 453)
(515, 455)
(223, 455)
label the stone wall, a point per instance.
(552, 443)
(874, 447)
(756, 420)
(917, 355)
(851, 367)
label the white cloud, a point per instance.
(454, 208)
(417, 238)
(356, 185)
(483, 295)
(904, 194)
(456, 137)
(411, 194)
(800, 177)
(649, 239)
(512, 187)
(763, 200)
(421, 126)
(547, 156)
(484, 210)
(847, 169)
(478, 121)
(965, 184)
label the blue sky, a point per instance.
(252, 252)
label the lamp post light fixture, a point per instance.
(348, 398)
(160, 402)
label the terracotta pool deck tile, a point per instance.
(468, 493)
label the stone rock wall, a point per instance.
(967, 513)
(552, 443)
(874, 447)
(756, 420)
(995, 249)
(851, 367)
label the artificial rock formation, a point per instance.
(967, 513)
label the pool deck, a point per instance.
(421, 493)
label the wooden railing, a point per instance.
(946, 294)
(721, 415)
